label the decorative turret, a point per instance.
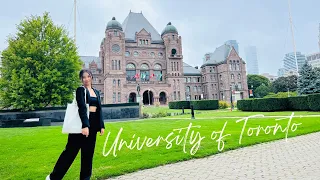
(169, 29)
(114, 24)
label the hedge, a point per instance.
(299, 103)
(205, 104)
(179, 104)
(197, 105)
(245, 104)
(270, 104)
(314, 102)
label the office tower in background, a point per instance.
(289, 62)
(252, 60)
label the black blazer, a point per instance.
(83, 109)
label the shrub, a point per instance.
(270, 104)
(281, 95)
(205, 104)
(314, 102)
(223, 105)
(298, 103)
(179, 104)
(245, 104)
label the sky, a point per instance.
(203, 24)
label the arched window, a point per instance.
(119, 65)
(232, 76)
(114, 83)
(188, 88)
(220, 77)
(157, 72)
(119, 83)
(173, 52)
(144, 72)
(131, 72)
(239, 76)
(112, 66)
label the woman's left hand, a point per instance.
(101, 131)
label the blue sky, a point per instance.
(203, 24)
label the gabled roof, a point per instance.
(135, 22)
(88, 59)
(190, 71)
(219, 55)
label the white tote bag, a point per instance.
(72, 122)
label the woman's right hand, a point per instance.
(85, 131)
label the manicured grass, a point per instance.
(30, 153)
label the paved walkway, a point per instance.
(298, 158)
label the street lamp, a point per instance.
(231, 98)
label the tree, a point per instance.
(283, 84)
(308, 82)
(256, 81)
(39, 67)
(262, 91)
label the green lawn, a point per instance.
(30, 153)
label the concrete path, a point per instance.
(298, 158)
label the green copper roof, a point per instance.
(114, 24)
(169, 29)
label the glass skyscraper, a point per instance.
(252, 60)
(289, 62)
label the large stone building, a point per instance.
(135, 53)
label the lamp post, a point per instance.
(231, 98)
(149, 96)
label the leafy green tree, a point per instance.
(262, 91)
(308, 81)
(281, 95)
(283, 84)
(256, 81)
(39, 67)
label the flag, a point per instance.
(152, 75)
(137, 76)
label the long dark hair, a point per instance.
(87, 71)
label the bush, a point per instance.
(245, 104)
(179, 104)
(281, 95)
(314, 102)
(223, 105)
(298, 103)
(205, 104)
(270, 104)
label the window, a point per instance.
(135, 54)
(115, 33)
(232, 76)
(185, 79)
(177, 66)
(198, 79)
(171, 66)
(239, 85)
(173, 52)
(114, 97)
(188, 89)
(194, 88)
(174, 66)
(239, 76)
(160, 54)
(140, 41)
(147, 42)
(238, 66)
(119, 65)
(220, 77)
(119, 97)
(119, 83)
(189, 79)
(211, 77)
(144, 72)
(144, 41)
(112, 67)
(131, 72)
(127, 53)
(152, 54)
(114, 83)
(178, 95)
(172, 36)
(174, 95)
(210, 69)
(212, 86)
(213, 69)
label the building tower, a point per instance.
(112, 50)
(173, 50)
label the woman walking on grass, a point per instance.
(87, 139)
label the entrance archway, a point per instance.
(162, 98)
(147, 97)
(132, 97)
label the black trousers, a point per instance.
(74, 144)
